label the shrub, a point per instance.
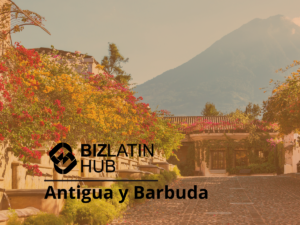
(177, 171)
(102, 211)
(255, 168)
(45, 219)
(168, 175)
(97, 211)
(13, 218)
(69, 210)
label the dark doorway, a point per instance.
(217, 160)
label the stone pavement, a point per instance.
(231, 200)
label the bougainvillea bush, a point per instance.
(49, 97)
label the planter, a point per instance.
(130, 174)
(22, 214)
(164, 165)
(24, 198)
(149, 168)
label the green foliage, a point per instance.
(239, 115)
(192, 156)
(282, 106)
(112, 64)
(45, 219)
(101, 211)
(167, 135)
(252, 111)
(169, 176)
(97, 211)
(255, 168)
(13, 218)
(210, 110)
(188, 168)
(69, 210)
(177, 171)
(41, 218)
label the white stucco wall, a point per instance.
(292, 157)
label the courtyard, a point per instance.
(231, 200)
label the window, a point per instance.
(241, 158)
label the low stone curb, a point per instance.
(26, 212)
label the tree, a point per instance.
(252, 111)
(210, 110)
(283, 106)
(112, 64)
(43, 99)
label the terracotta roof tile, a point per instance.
(221, 122)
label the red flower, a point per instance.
(57, 102)
(35, 136)
(42, 123)
(56, 137)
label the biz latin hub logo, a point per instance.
(104, 150)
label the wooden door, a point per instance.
(217, 160)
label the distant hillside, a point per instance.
(230, 72)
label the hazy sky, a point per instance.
(156, 35)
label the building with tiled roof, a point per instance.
(201, 128)
(222, 123)
(88, 59)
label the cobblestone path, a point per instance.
(231, 200)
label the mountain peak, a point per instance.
(230, 72)
(278, 16)
(296, 21)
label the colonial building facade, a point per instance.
(216, 163)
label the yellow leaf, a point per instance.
(99, 67)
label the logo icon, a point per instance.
(61, 157)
